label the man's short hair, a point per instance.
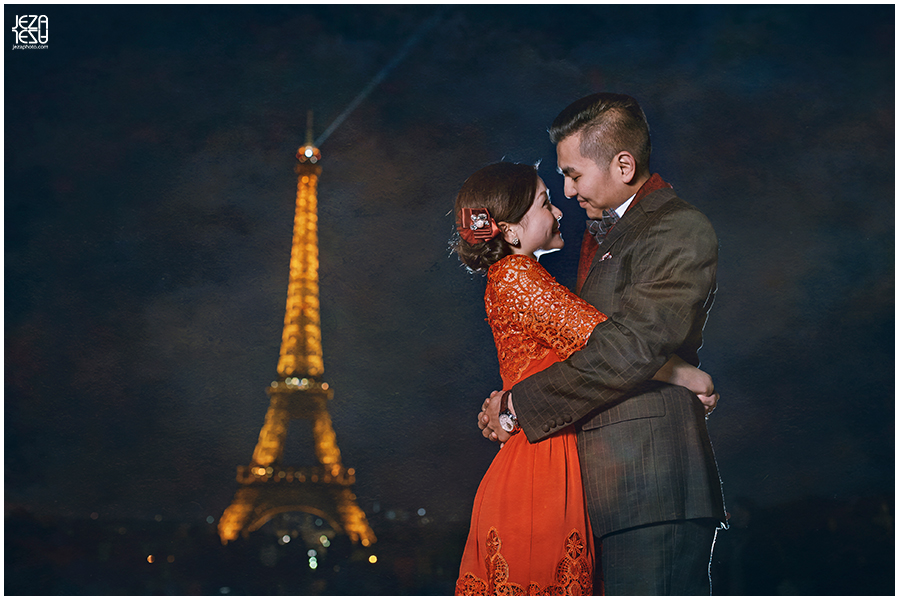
(609, 123)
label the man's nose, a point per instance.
(569, 188)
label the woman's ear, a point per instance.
(509, 233)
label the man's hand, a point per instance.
(489, 421)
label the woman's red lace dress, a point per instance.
(530, 533)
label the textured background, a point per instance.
(149, 202)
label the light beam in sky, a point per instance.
(412, 41)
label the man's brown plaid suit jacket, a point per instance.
(645, 451)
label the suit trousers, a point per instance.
(669, 558)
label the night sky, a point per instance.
(149, 198)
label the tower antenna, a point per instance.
(309, 128)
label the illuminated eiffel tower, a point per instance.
(268, 487)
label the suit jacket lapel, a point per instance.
(633, 219)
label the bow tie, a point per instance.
(600, 227)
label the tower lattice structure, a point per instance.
(267, 486)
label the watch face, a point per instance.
(506, 422)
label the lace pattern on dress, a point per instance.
(530, 314)
(573, 574)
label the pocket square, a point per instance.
(606, 256)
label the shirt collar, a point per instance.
(624, 206)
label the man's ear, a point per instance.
(625, 166)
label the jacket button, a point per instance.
(546, 427)
(552, 423)
(568, 419)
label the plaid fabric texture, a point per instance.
(671, 558)
(597, 230)
(645, 450)
(599, 227)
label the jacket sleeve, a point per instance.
(669, 281)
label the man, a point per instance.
(649, 262)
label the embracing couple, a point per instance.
(602, 416)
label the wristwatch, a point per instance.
(508, 421)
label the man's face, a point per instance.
(595, 188)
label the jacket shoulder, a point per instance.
(667, 205)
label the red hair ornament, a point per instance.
(477, 225)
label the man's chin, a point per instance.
(589, 209)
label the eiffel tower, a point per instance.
(268, 487)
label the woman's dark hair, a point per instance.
(507, 191)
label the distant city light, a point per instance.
(170, 559)
(209, 520)
(224, 590)
(157, 517)
(286, 538)
(311, 552)
(421, 511)
(372, 559)
(313, 563)
(150, 559)
(95, 515)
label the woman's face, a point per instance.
(539, 228)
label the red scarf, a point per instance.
(589, 243)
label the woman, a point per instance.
(530, 534)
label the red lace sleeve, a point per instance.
(531, 313)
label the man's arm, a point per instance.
(675, 371)
(668, 290)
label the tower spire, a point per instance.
(309, 128)
(301, 339)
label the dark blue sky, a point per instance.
(149, 202)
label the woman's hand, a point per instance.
(710, 401)
(679, 372)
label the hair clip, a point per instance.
(476, 225)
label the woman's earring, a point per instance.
(508, 232)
